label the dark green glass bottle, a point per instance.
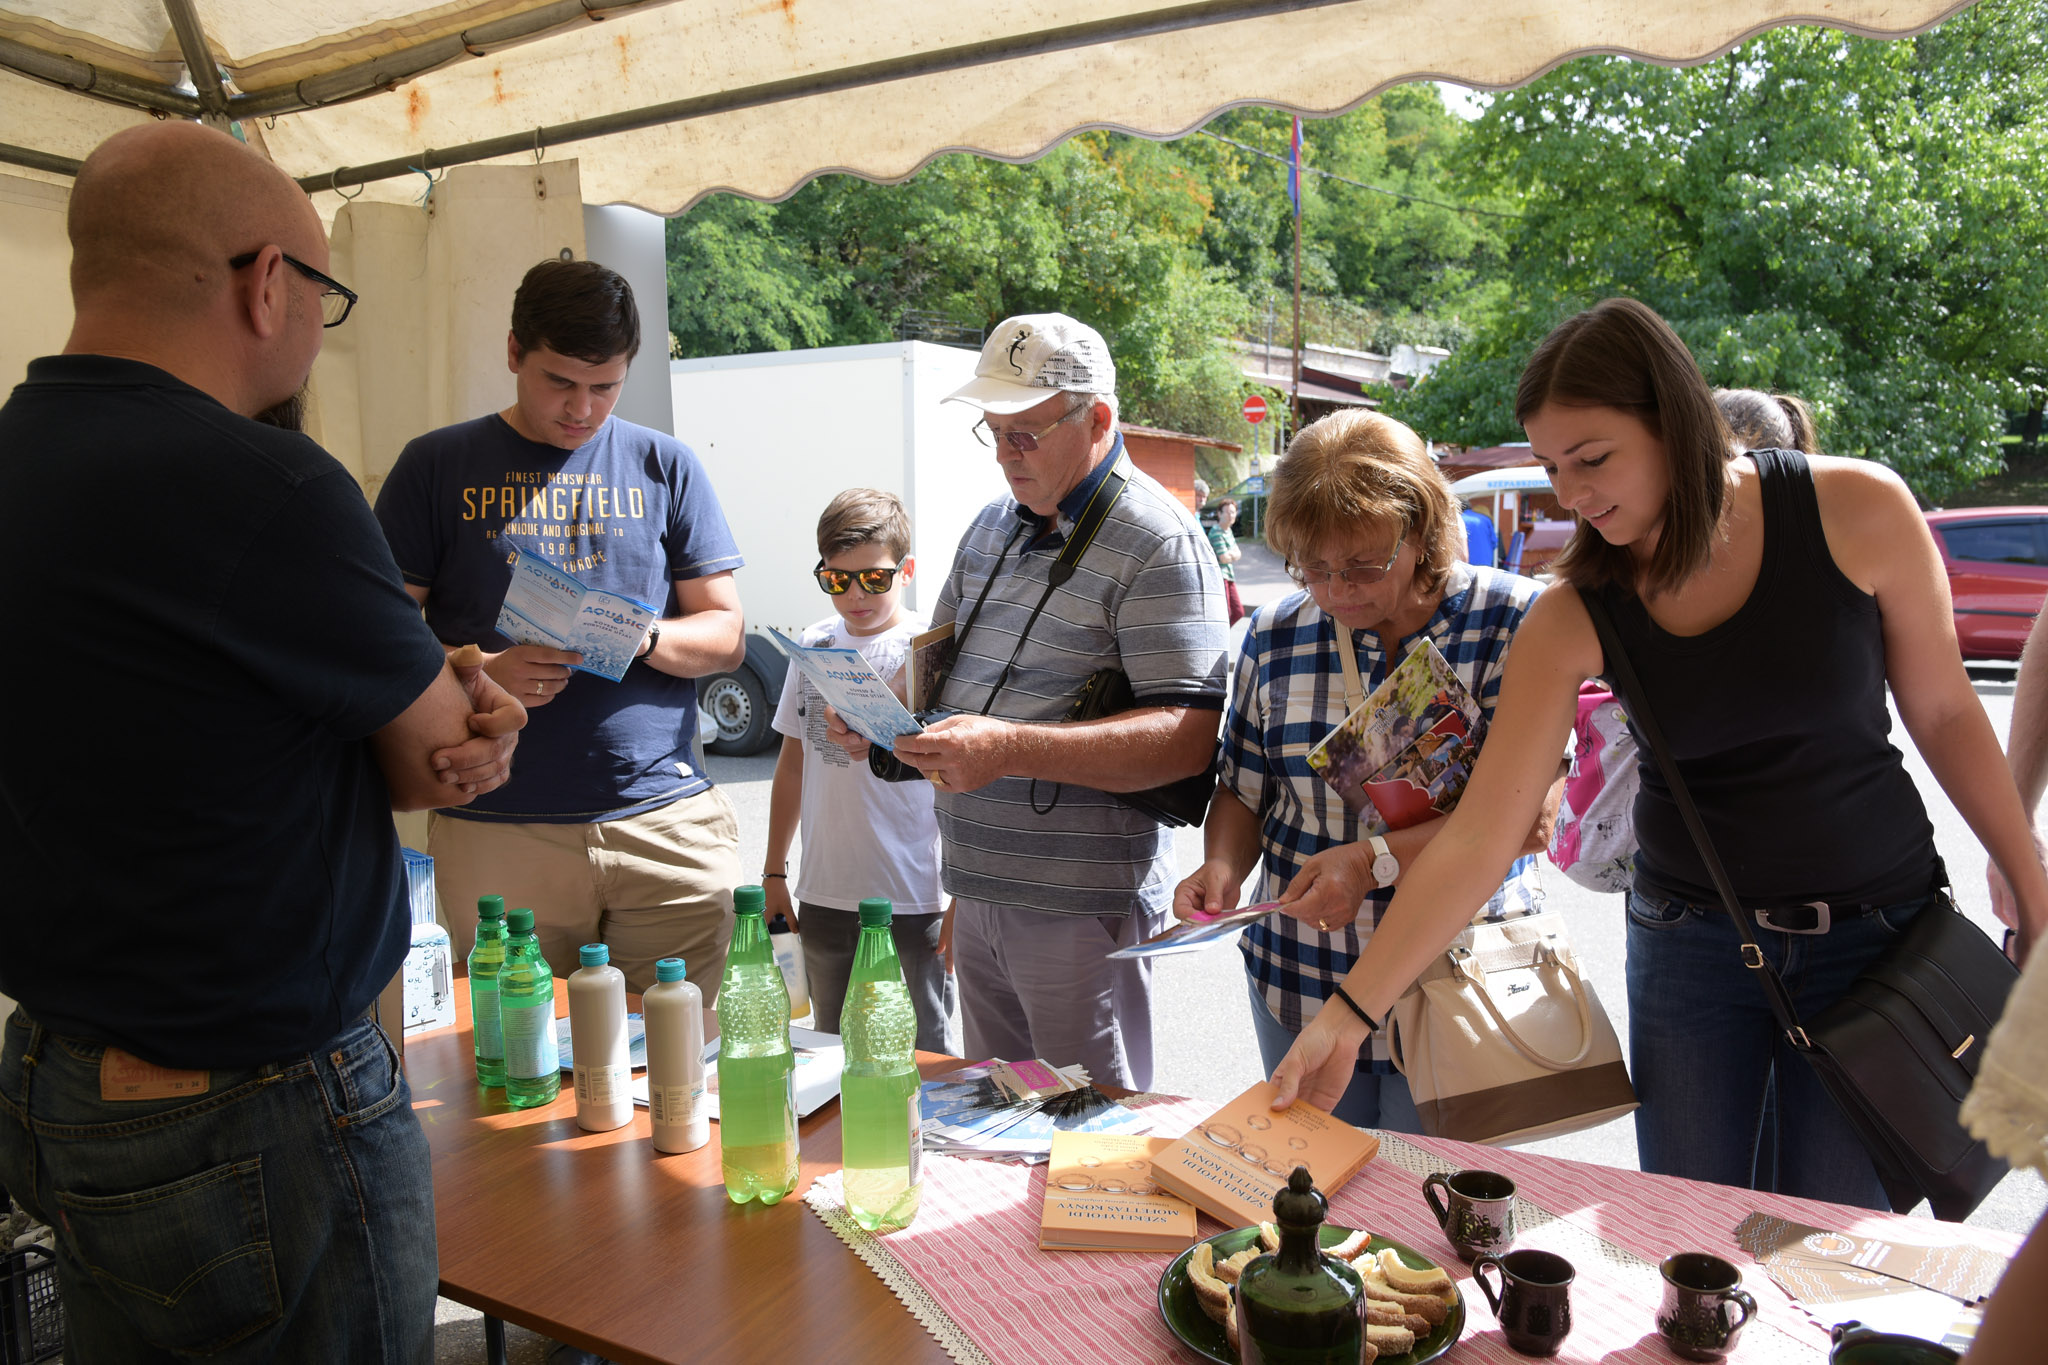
(1296, 1306)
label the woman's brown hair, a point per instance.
(1619, 354)
(1357, 468)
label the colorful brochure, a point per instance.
(1191, 935)
(850, 686)
(1405, 755)
(548, 606)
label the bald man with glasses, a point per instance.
(204, 887)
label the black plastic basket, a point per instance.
(31, 1314)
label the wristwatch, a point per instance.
(1385, 866)
(653, 639)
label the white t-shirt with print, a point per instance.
(862, 836)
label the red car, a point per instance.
(1997, 563)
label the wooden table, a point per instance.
(598, 1240)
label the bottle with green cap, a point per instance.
(756, 1098)
(485, 961)
(878, 1110)
(526, 1009)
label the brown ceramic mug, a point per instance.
(1477, 1213)
(1704, 1305)
(1533, 1304)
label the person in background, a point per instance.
(1482, 537)
(1768, 601)
(1370, 530)
(862, 836)
(204, 887)
(1224, 542)
(1767, 421)
(610, 831)
(1049, 871)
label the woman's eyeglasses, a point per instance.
(1358, 576)
(873, 582)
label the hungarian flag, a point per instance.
(1294, 168)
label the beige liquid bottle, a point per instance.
(674, 1011)
(600, 1054)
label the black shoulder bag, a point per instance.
(1105, 692)
(1899, 1050)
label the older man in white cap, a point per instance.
(1088, 565)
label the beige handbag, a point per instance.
(1503, 1040)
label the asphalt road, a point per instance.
(1202, 1019)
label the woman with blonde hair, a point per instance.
(1370, 531)
(1767, 601)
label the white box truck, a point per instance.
(781, 433)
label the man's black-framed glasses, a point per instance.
(336, 298)
(873, 582)
(1024, 442)
(1358, 575)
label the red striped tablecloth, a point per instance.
(969, 1267)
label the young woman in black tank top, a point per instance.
(1768, 601)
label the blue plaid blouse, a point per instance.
(1288, 693)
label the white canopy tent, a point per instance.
(1520, 479)
(665, 101)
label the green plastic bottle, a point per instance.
(485, 960)
(756, 1095)
(526, 1005)
(878, 1111)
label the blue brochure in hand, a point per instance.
(851, 687)
(549, 606)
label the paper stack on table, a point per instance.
(1010, 1110)
(1920, 1291)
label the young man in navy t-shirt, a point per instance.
(607, 829)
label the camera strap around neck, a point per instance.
(1078, 540)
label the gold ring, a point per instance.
(938, 779)
(1323, 925)
(539, 687)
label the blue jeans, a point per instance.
(286, 1213)
(1372, 1100)
(1709, 1061)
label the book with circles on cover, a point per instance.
(1100, 1196)
(1233, 1162)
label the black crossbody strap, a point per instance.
(1621, 675)
(1085, 526)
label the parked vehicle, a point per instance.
(783, 431)
(1997, 564)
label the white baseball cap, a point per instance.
(1028, 359)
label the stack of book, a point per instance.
(1238, 1158)
(1100, 1196)
(1010, 1110)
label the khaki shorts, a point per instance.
(648, 886)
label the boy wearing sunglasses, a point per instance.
(861, 836)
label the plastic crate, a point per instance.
(31, 1314)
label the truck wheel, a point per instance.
(738, 704)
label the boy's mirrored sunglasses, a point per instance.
(873, 582)
(1023, 442)
(1358, 576)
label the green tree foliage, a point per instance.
(1168, 248)
(1857, 222)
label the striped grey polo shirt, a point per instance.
(1146, 598)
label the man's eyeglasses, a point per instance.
(873, 582)
(1358, 576)
(336, 298)
(1023, 442)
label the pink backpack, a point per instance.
(1594, 842)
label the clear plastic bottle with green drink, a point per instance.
(526, 1009)
(486, 959)
(756, 1067)
(878, 1110)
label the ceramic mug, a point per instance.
(1856, 1344)
(1533, 1304)
(1478, 1212)
(1704, 1305)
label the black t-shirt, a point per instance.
(196, 841)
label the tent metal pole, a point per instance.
(199, 62)
(11, 155)
(95, 81)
